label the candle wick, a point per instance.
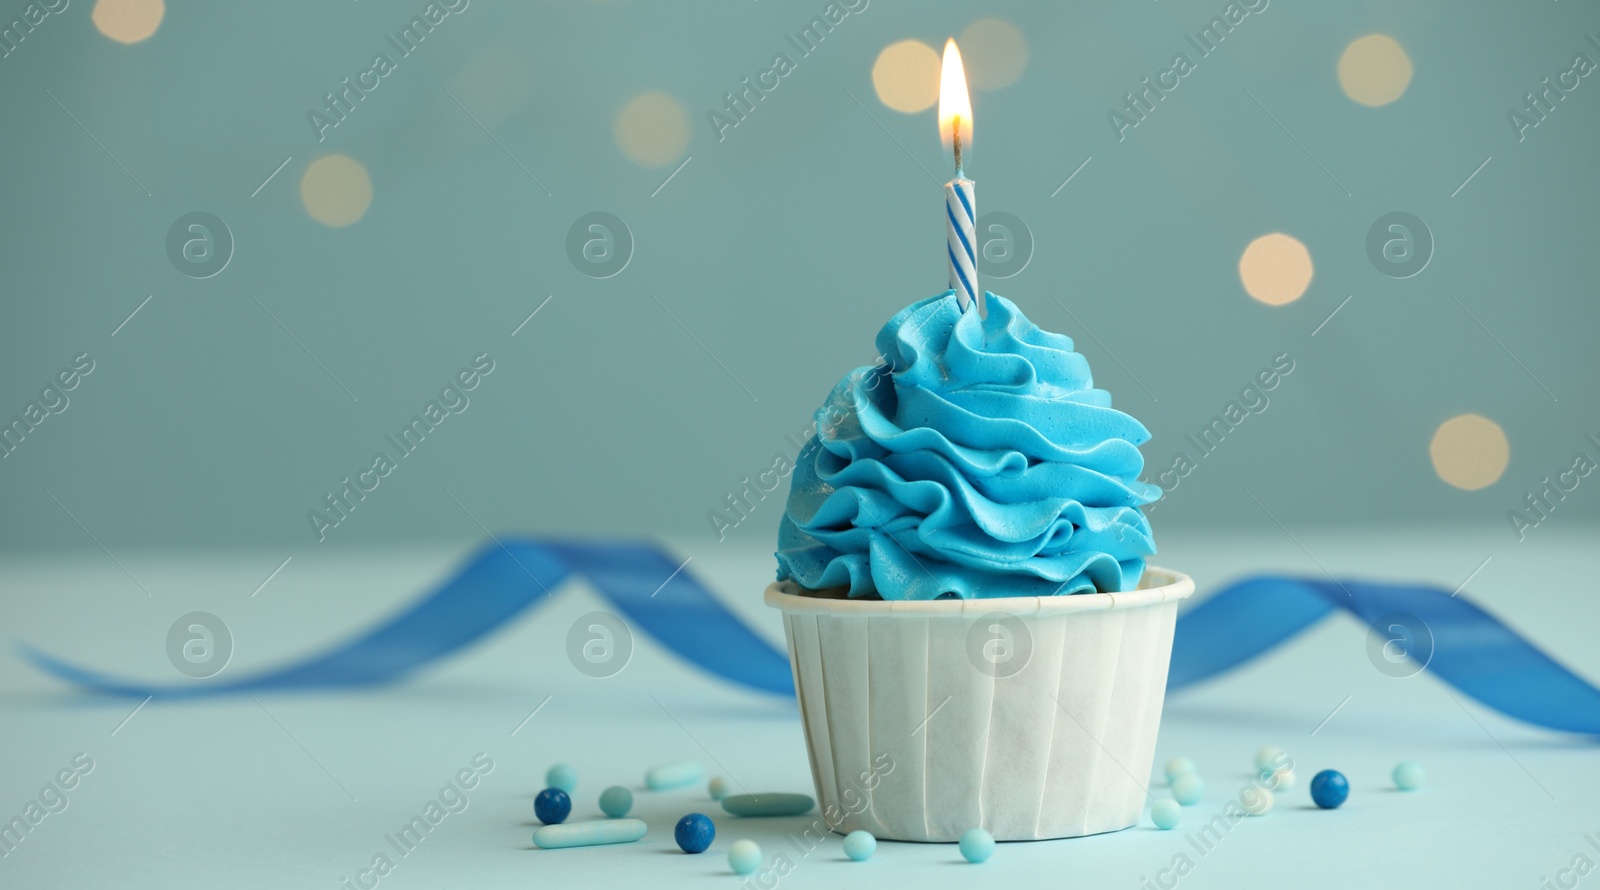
(957, 138)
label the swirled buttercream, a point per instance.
(977, 460)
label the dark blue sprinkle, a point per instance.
(552, 806)
(694, 833)
(1329, 788)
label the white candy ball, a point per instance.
(1256, 801)
(1270, 758)
(1178, 766)
(1283, 780)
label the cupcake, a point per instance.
(976, 638)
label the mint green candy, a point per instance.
(769, 804)
(860, 845)
(1166, 813)
(589, 834)
(976, 845)
(1187, 789)
(1409, 776)
(616, 801)
(561, 776)
(674, 775)
(744, 857)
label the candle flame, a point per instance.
(955, 107)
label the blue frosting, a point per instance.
(977, 461)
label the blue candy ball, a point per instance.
(561, 776)
(552, 806)
(616, 801)
(1329, 788)
(860, 845)
(694, 833)
(977, 845)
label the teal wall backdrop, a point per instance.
(759, 259)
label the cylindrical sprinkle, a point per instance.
(769, 804)
(589, 834)
(674, 775)
(960, 198)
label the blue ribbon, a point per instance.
(1470, 649)
(640, 580)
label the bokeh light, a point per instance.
(128, 21)
(906, 76)
(995, 53)
(493, 83)
(652, 129)
(336, 190)
(1374, 70)
(1469, 451)
(1276, 269)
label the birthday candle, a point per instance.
(961, 232)
(960, 193)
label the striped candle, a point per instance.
(960, 194)
(961, 217)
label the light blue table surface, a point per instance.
(300, 790)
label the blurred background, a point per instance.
(587, 269)
(273, 233)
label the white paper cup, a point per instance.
(1032, 717)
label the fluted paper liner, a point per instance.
(918, 732)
